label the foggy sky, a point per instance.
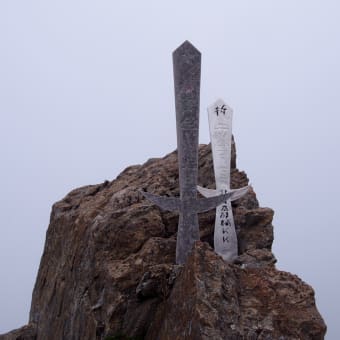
(86, 89)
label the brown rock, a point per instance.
(108, 268)
(28, 332)
(212, 299)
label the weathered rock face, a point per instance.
(108, 269)
(212, 299)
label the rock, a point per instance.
(218, 300)
(108, 268)
(28, 332)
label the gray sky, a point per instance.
(86, 90)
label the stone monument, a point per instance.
(220, 126)
(187, 76)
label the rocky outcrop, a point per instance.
(28, 332)
(226, 301)
(108, 269)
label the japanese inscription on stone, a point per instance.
(220, 125)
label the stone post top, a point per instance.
(188, 47)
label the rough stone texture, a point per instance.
(108, 269)
(213, 299)
(28, 332)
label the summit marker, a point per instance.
(220, 126)
(187, 77)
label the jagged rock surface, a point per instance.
(108, 269)
(225, 301)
